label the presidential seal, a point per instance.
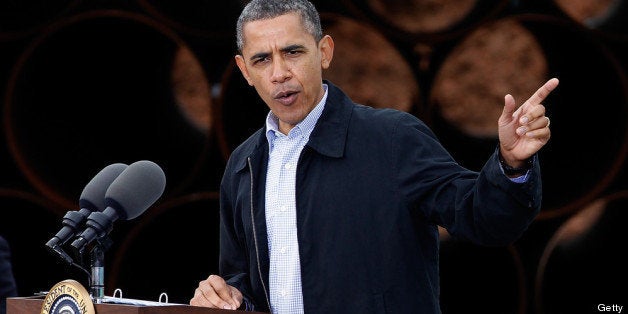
(68, 297)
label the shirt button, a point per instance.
(283, 250)
(283, 208)
(288, 166)
(284, 293)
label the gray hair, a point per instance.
(267, 9)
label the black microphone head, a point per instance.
(93, 195)
(92, 200)
(136, 189)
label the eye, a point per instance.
(261, 60)
(294, 52)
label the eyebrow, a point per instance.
(292, 47)
(262, 55)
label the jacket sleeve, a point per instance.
(485, 208)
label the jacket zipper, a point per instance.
(259, 266)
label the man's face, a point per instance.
(284, 63)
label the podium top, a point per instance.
(26, 305)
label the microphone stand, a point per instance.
(96, 278)
(97, 261)
(60, 253)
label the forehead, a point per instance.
(280, 30)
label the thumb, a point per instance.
(508, 111)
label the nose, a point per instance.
(280, 71)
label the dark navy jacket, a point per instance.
(371, 188)
(7, 282)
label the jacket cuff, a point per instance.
(527, 193)
(247, 305)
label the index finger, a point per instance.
(542, 92)
(537, 97)
(221, 288)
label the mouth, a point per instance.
(286, 98)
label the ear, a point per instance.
(326, 47)
(242, 66)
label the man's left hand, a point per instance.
(524, 131)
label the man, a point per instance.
(7, 282)
(333, 207)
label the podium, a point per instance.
(28, 305)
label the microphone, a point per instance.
(92, 199)
(128, 196)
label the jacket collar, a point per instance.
(329, 136)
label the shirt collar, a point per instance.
(304, 127)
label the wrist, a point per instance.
(513, 171)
